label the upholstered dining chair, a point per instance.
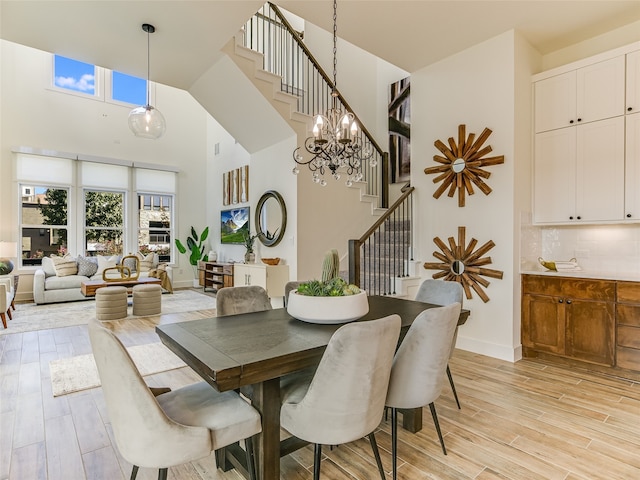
(439, 292)
(6, 299)
(173, 428)
(288, 287)
(235, 300)
(419, 365)
(344, 399)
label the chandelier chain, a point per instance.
(335, 45)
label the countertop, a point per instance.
(600, 275)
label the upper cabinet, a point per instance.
(587, 141)
(580, 96)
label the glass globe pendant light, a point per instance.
(147, 121)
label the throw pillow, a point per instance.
(47, 266)
(87, 267)
(146, 261)
(106, 262)
(130, 263)
(65, 266)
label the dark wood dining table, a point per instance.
(256, 349)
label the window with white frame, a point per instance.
(104, 222)
(155, 228)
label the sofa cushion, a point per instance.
(47, 267)
(147, 262)
(60, 283)
(65, 266)
(106, 262)
(87, 266)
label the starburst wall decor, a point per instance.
(464, 264)
(462, 164)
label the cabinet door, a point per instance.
(590, 331)
(555, 102)
(600, 170)
(555, 176)
(633, 82)
(632, 167)
(543, 327)
(600, 90)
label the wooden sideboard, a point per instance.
(214, 276)
(595, 323)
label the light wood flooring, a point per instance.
(527, 420)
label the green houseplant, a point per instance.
(195, 247)
(249, 240)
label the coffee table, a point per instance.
(89, 288)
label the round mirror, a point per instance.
(458, 165)
(457, 267)
(271, 218)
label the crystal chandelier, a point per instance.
(146, 121)
(336, 143)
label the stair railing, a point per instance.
(285, 54)
(384, 251)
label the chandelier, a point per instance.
(336, 144)
(146, 121)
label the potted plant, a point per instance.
(249, 240)
(195, 247)
(327, 301)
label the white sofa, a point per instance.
(51, 287)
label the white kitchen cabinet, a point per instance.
(579, 173)
(633, 82)
(587, 94)
(632, 167)
(270, 277)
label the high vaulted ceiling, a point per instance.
(189, 35)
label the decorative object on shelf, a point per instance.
(271, 218)
(336, 142)
(249, 256)
(560, 265)
(271, 261)
(8, 251)
(462, 165)
(330, 302)
(462, 263)
(212, 256)
(147, 121)
(195, 244)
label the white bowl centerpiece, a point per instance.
(333, 301)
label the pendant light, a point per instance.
(147, 121)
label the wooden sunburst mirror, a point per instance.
(462, 164)
(463, 264)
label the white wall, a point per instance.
(34, 116)
(477, 88)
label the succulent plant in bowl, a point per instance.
(335, 287)
(331, 301)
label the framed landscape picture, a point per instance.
(234, 224)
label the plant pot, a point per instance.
(329, 310)
(249, 257)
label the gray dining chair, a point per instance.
(245, 299)
(419, 365)
(172, 428)
(288, 287)
(344, 399)
(439, 292)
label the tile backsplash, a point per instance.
(600, 248)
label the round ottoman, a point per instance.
(111, 303)
(146, 299)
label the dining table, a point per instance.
(251, 352)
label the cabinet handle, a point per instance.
(568, 302)
(570, 121)
(628, 215)
(571, 218)
(560, 301)
(629, 109)
(579, 119)
(578, 217)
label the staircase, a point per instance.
(276, 60)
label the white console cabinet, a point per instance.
(270, 277)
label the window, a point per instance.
(104, 223)
(73, 75)
(128, 89)
(43, 222)
(155, 228)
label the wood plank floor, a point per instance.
(527, 420)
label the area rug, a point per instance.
(74, 374)
(29, 316)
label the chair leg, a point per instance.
(317, 454)
(437, 424)
(394, 441)
(9, 313)
(162, 474)
(251, 466)
(376, 454)
(134, 472)
(4, 319)
(453, 387)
